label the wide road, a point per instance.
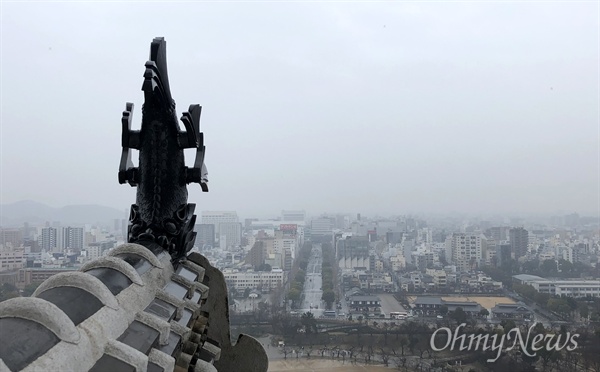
(389, 304)
(314, 282)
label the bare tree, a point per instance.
(285, 351)
(401, 363)
(385, 356)
(403, 343)
(351, 351)
(308, 351)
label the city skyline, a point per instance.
(79, 215)
(385, 108)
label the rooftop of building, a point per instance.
(518, 307)
(131, 310)
(428, 300)
(529, 278)
(364, 298)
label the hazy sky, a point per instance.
(368, 107)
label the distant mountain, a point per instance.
(15, 214)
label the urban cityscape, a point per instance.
(354, 290)
(394, 186)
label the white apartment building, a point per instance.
(241, 280)
(567, 254)
(232, 231)
(12, 259)
(466, 250)
(48, 239)
(488, 253)
(72, 238)
(282, 245)
(398, 262)
(439, 277)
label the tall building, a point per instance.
(287, 248)
(49, 238)
(466, 250)
(503, 254)
(519, 239)
(321, 226)
(12, 237)
(293, 216)
(498, 233)
(232, 232)
(205, 235)
(72, 238)
(218, 217)
(256, 256)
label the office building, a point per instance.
(293, 216)
(205, 235)
(218, 217)
(232, 233)
(519, 240)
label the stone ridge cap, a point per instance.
(97, 337)
(139, 250)
(195, 268)
(81, 280)
(114, 263)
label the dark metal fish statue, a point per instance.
(162, 213)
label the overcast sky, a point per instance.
(386, 108)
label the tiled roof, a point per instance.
(518, 307)
(430, 300)
(364, 298)
(130, 311)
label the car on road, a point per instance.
(440, 317)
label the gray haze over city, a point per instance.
(378, 108)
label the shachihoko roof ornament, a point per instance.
(150, 304)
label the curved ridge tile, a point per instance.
(159, 358)
(194, 267)
(42, 312)
(127, 354)
(81, 280)
(162, 326)
(115, 264)
(139, 250)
